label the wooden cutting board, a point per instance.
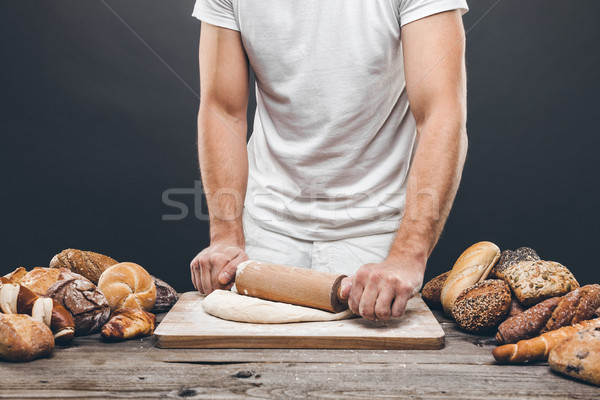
(188, 326)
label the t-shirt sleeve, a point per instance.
(412, 10)
(216, 12)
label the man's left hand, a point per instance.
(381, 291)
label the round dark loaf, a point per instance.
(481, 307)
(432, 291)
(83, 300)
(166, 296)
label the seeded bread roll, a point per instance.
(473, 265)
(509, 258)
(432, 291)
(578, 355)
(23, 338)
(128, 285)
(481, 307)
(534, 281)
(86, 263)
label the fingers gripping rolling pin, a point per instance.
(300, 286)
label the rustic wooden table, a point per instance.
(464, 369)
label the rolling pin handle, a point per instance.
(337, 303)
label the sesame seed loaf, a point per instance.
(509, 258)
(534, 281)
(483, 306)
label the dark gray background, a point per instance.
(95, 127)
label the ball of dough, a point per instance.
(128, 285)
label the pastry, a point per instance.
(23, 338)
(528, 323)
(473, 265)
(86, 263)
(509, 258)
(481, 307)
(432, 291)
(128, 323)
(39, 279)
(166, 296)
(534, 281)
(17, 299)
(83, 300)
(537, 349)
(128, 285)
(578, 355)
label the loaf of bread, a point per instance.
(527, 324)
(17, 299)
(537, 349)
(534, 281)
(87, 304)
(508, 258)
(23, 338)
(576, 306)
(128, 285)
(432, 291)
(86, 263)
(481, 307)
(578, 355)
(166, 296)
(16, 275)
(39, 279)
(128, 323)
(472, 266)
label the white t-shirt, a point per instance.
(333, 134)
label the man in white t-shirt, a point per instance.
(339, 174)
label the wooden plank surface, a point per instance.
(188, 326)
(464, 369)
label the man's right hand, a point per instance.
(215, 267)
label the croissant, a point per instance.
(537, 349)
(128, 323)
(17, 299)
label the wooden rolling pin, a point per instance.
(300, 286)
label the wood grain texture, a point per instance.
(188, 326)
(136, 369)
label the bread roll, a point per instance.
(527, 324)
(128, 285)
(481, 307)
(472, 266)
(508, 258)
(166, 296)
(534, 281)
(578, 356)
(23, 338)
(83, 300)
(86, 263)
(128, 323)
(16, 275)
(39, 279)
(432, 291)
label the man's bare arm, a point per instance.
(222, 154)
(436, 82)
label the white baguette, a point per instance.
(473, 265)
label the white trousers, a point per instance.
(338, 256)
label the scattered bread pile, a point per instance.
(535, 307)
(75, 296)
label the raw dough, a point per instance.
(236, 307)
